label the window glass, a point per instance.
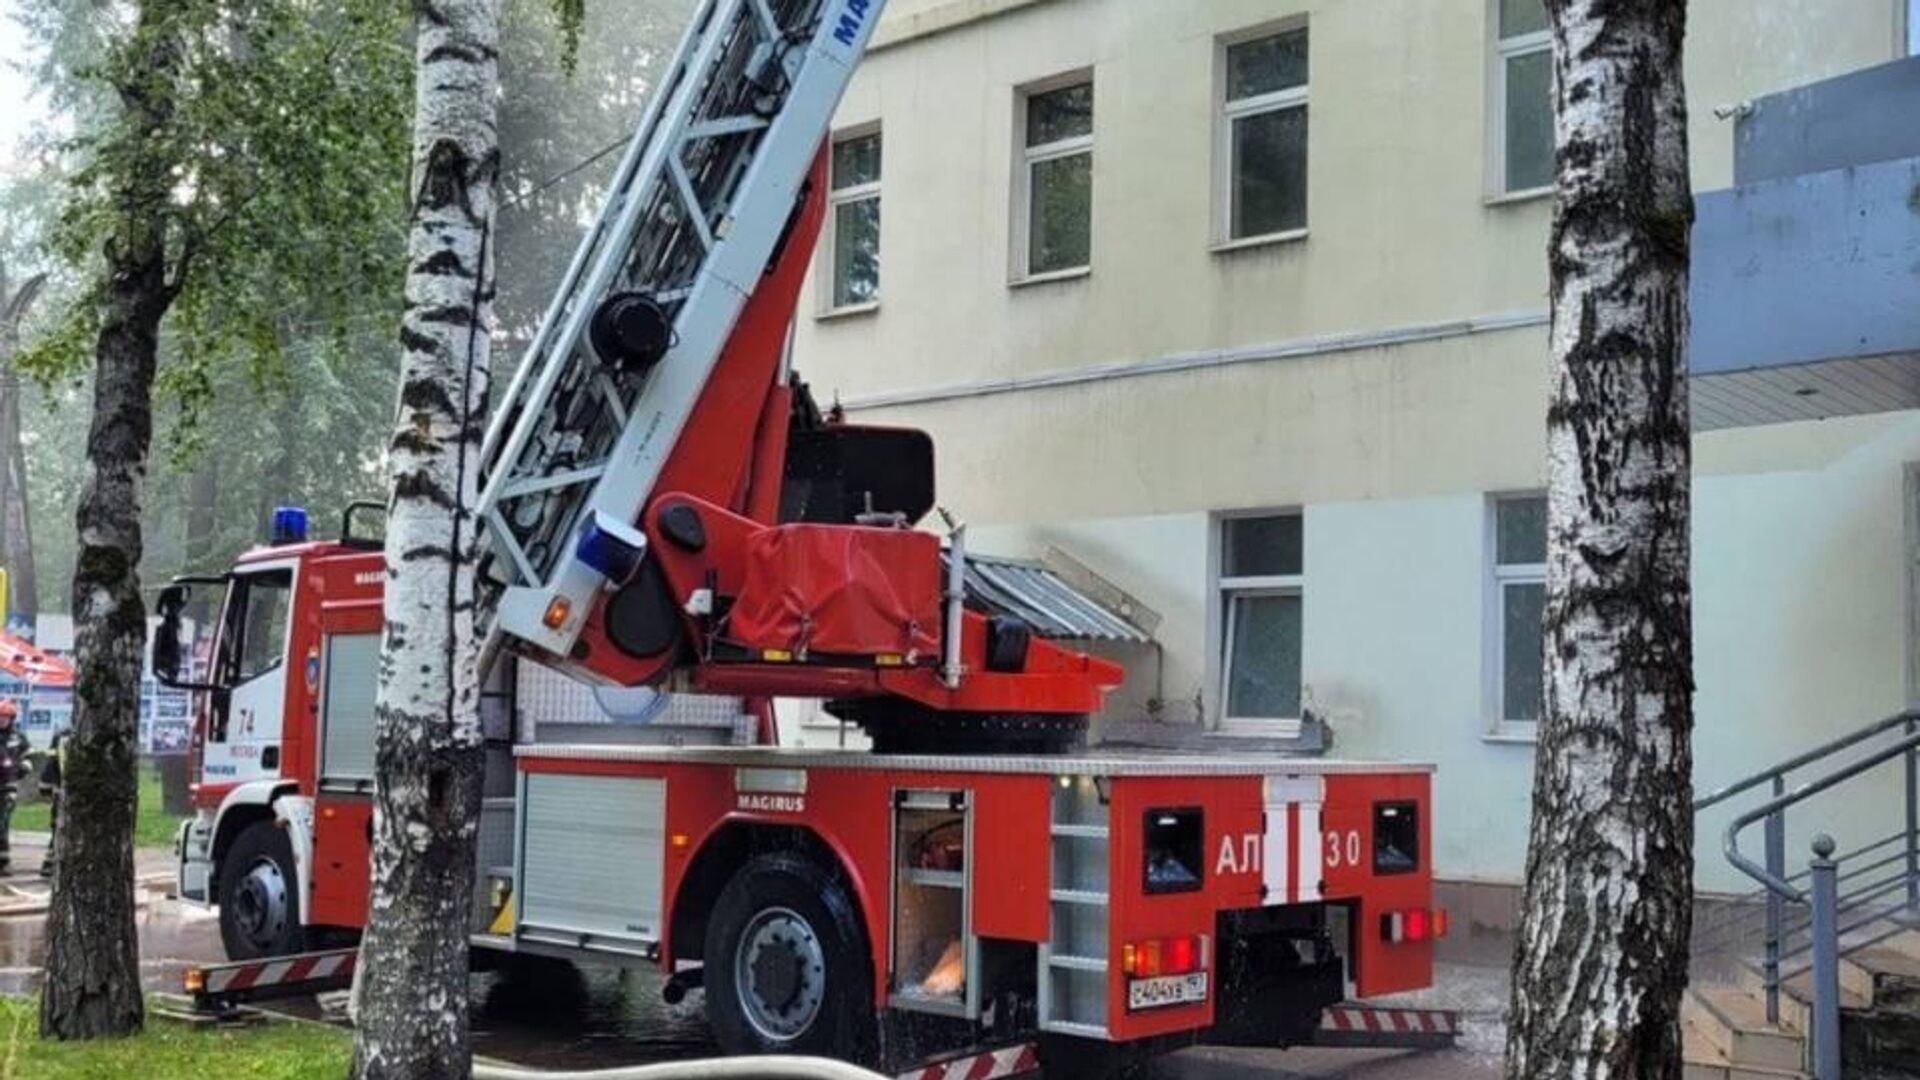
(1523, 605)
(1066, 113)
(1261, 546)
(263, 632)
(1060, 235)
(1270, 172)
(1521, 525)
(1265, 65)
(856, 161)
(1264, 656)
(1522, 17)
(856, 252)
(1529, 120)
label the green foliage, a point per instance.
(285, 212)
(164, 1051)
(286, 155)
(572, 14)
(276, 375)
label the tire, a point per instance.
(257, 895)
(787, 966)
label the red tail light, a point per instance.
(1413, 924)
(1164, 956)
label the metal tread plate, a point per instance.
(1088, 763)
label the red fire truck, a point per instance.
(665, 507)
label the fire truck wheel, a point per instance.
(257, 879)
(787, 968)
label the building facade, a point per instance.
(1240, 307)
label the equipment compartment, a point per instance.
(935, 959)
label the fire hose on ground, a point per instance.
(732, 1068)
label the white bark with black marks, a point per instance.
(1602, 957)
(411, 1001)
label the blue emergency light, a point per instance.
(289, 525)
(611, 547)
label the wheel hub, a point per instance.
(260, 904)
(780, 971)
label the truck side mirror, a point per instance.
(166, 638)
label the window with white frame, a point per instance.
(1519, 596)
(1261, 564)
(853, 221)
(1522, 104)
(1053, 181)
(1262, 154)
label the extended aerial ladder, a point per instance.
(662, 498)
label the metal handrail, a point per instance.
(1800, 761)
(1730, 843)
(1830, 913)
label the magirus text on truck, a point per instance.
(666, 507)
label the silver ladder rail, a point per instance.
(692, 217)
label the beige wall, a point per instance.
(1400, 229)
(1390, 449)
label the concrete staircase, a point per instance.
(1727, 1036)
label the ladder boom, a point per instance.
(629, 341)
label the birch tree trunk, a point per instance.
(1602, 957)
(92, 983)
(411, 1000)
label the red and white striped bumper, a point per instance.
(285, 973)
(1367, 1025)
(993, 1065)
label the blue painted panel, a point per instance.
(1808, 268)
(1854, 119)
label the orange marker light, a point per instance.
(557, 611)
(1439, 922)
(681, 840)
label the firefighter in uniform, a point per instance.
(13, 766)
(51, 771)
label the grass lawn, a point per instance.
(152, 827)
(167, 1051)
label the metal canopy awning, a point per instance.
(1041, 597)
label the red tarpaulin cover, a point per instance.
(840, 589)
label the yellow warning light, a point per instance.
(195, 980)
(887, 659)
(776, 656)
(681, 840)
(557, 611)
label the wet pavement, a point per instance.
(554, 1016)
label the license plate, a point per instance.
(1166, 990)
